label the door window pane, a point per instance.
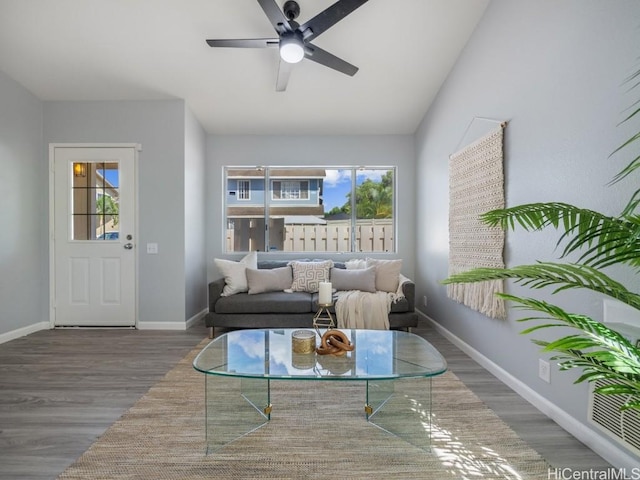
(95, 201)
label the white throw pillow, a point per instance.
(235, 275)
(356, 264)
(308, 275)
(387, 274)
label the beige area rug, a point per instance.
(317, 430)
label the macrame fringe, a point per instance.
(480, 296)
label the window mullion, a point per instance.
(267, 202)
(354, 245)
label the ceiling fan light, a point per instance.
(291, 49)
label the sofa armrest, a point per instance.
(215, 290)
(409, 291)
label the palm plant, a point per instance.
(599, 241)
(106, 206)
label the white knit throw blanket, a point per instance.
(356, 309)
(476, 185)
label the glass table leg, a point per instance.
(402, 408)
(234, 407)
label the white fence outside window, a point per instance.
(371, 236)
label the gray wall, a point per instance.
(23, 209)
(554, 70)
(159, 126)
(195, 219)
(379, 150)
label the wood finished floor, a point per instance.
(61, 389)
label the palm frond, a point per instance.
(632, 205)
(632, 76)
(628, 170)
(635, 163)
(545, 274)
(632, 114)
(531, 216)
(633, 138)
(608, 239)
(581, 322)
(601, 353)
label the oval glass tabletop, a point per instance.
(378, 354)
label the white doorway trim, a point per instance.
(52, 260)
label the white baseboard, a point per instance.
(608, 450)
(36, 327)
(162, 326)
(172, 325)
(21, 332)
(197, 317)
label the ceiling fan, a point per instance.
(294, 40)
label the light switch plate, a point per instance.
(152, 248)
(544, 370)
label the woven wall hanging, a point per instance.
(476, 185)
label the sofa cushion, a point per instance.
(359, 279)
(269, 280)
(355, 264)
(235, 273)
(308, 275)
(400, 305)
(268, 264)
(272, 302)
(387, 274)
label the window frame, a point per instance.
(271, 203)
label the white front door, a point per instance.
(94, 254)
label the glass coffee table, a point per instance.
(396, 368)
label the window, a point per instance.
(244, 190)
(310, 209)
(290, 190)
(95, 207)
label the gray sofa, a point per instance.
(287, 310)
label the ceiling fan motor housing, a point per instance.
(291, 9)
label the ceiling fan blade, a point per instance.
(327, 59)
(245, 43)
(284, 71)
(329, 17)
(275, 16)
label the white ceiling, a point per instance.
(155, 49)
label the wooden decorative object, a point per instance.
(334, 342)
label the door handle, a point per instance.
(128, 246)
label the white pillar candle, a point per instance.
(324, 293)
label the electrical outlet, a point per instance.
(424, 301)
(544, 370)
